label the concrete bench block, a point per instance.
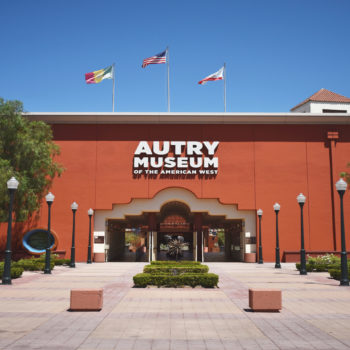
(99, 257)
(249, 257)
(265, 299)
(86, 299)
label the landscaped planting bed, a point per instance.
(174, 269)
(181, 262)
(321, 263)
(60, 262)
(324, 263)
(16, 271)
(32, 264)
(335, 271)
(176, 274)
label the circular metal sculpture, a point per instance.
(35, 241)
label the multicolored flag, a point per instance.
(157, 59)
(219, 75)
(99, 75)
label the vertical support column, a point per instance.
(152, 227)
(228, 242)
(154, 245)
(149, 243)
(194, 245)
(332, 137)
(198, 228)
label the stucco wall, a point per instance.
(258, 166)
(318, 107)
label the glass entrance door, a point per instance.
(222, 242)
(127, 243)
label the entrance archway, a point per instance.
(212, 231)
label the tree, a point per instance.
(26, 152)
(346, 175)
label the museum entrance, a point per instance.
(127, 241)
(175, 233)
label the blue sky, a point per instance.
(277, 52)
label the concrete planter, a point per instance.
(99, 257)
(250, 257)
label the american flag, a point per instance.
(157, 59)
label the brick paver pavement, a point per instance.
(34, 315)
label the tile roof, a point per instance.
(324, 95)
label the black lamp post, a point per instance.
(49, 200)
(277, 208)
(260, 212)
(341, 186)
(301, 200)
(90, 213)
(12, 185)
(74, 207)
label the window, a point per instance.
(334, 111)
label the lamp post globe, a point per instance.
(74, 207)
(341, 187)
(90, 213)
(301, 200)
(260, 213)
(49, 200)
(276, 208)
(12, 186)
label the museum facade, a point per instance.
(198, 178)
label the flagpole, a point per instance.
(225, 86)
(113, 87)
(167, 52)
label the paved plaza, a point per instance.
(34, 311)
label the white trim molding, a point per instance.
(189, 118)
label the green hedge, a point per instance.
(336, 272)
(309, 268)
(172, 263)
(61, 262)
(38, 264)
(207, 280)
(175, 270)
(34, 264)
(16, 272)
(321, 263)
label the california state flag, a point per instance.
(219, 75)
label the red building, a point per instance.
(199, 178)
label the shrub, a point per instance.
(60, 262)
(335, 271)
(16, 271)
(181, 262)
(175, 269)
(321, 263)
(309, 268)
(207, 280)
(33, 264)
(176, 274)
